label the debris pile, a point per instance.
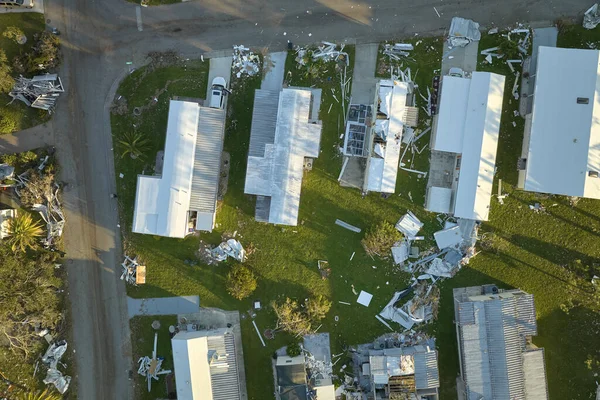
(245, 62)
(152, 367)
(397, 51)
(463, 31)
(230, 248)
(50, 210)
(133, 273)
(41, 91)
(51, 359)
(591, 18)
(326, 51)
(421, 308)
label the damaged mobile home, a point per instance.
(398, 366)
(463, 146)
(561, 144)
(497, 358)
(374, 132)
(284, 140)
(183, 198)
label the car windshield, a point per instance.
(216, 92)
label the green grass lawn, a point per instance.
(29, 23)
(536, 252)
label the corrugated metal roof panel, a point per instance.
(264, 121)
(207, 159)
(426, 370)
(224, 370)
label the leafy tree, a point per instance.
(293, 349)
(317, 307)
(134, 144)
(14, 33)
(241, 282)
(290, 317)
(28, 297)
(45, 54)
(380, 238)
(297, 320)
(6, 80)
(38, 395)
(23, 231)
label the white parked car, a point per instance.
(16, 3)
(458, 72)
(218, 91)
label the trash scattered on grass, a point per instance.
(230, 248)
(245, 62)
(152, 367)
(51, 359)
(133, 273)
(41, 91)
(347, 226)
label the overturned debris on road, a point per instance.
(591, 18)
(463, 31)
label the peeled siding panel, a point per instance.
(207, 159)
(535, 375)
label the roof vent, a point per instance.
(593, 174)
(583, 100)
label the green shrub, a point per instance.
(380, 238)
(241, 282)
(8, 121)
(293, 349)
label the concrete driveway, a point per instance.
(363, 76)
(274, 65)
(99, 37)
(163, 306)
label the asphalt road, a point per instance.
(99, 37)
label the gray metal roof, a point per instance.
(224, 372)
(264, 121)
(426, 370)
(492, 332)
(207, 159)
(535, 375)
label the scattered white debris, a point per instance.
(230, 248)
(245, 62)
(133, 273)
(347, 226)
(152, 367)
(41, 91)
(409, 225)
(364, 298)
(591, 18)
(463, 31)
(51, 359)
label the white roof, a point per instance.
(562, 129)
(480, 143)
(439, 199)
(383, 171)
(448, 237)
(190, 361)
(162, 203)
(450, 122)
(325, 392)
(278, 174)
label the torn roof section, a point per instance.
(383, 169)
(190, 174)
(565, 124)
(277, 173)
(468, 124)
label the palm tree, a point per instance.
(23, 231)
(37, 395)
(134, 144)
